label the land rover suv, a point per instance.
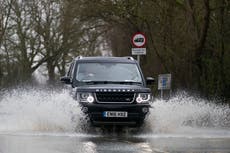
(110, 90)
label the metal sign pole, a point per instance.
(138, 58)
(161, 93)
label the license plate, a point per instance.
(115, 114)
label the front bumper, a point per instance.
(135, 117)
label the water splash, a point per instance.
(183, 112)
(38, 110)
(41, 110)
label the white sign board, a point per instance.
(138, 51)
(164, 81)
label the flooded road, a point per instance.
(35, 121)
(80, 143)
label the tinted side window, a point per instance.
(69, 74)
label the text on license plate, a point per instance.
(115, 114)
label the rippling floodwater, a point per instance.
(39, 120)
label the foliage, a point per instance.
(187, 38)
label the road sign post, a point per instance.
(164, 83)
(138, 41)
(138, 58)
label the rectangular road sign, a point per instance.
(164, 81)
(138, 51)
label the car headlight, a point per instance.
(85, 97)
(143, 97)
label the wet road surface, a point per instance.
(122, 143)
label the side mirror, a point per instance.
(149, 80)
(65, 79)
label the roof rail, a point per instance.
(78, 57)
(129, 58)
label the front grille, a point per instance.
(115, 97)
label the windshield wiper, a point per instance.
(112, 82)
(96, 82)
(131, 82)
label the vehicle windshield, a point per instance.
(108, 72)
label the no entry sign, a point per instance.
(138, 40)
